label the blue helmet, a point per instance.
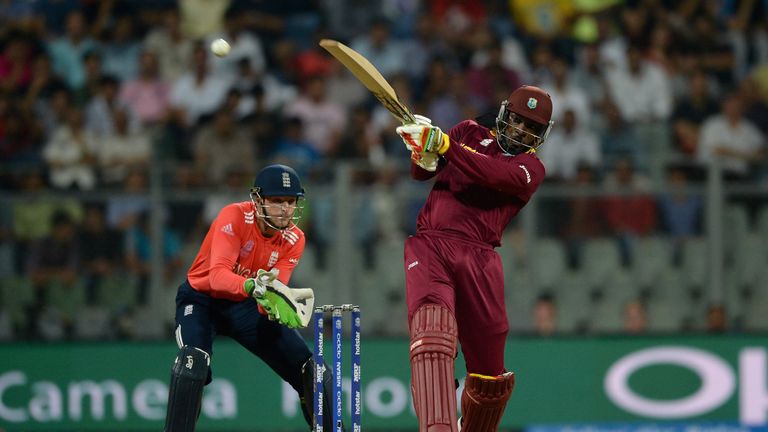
(277, 180)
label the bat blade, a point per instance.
(370, 77)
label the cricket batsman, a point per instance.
(237, 286)
(454, 278)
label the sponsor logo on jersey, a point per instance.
(290, 236)
(249, 217)
(486, 142)
(188, 309)
(527, 174)
(466, 147)
(246, 249)
(272, 259)
(293, 260)
(413, 264)
(227, 229)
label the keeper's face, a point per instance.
(279, 210)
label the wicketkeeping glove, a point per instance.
(291, 307)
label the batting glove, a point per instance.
(424, 138)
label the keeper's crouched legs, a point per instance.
(434, 340)
(307, 396)
(188, 377)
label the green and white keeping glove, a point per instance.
(291, 307)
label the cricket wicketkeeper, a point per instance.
(237, 286)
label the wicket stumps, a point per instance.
(356, 394)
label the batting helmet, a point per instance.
(277, 180)
(527, 105)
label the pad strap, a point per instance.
(434, 337)
(483, 401)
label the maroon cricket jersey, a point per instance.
(479, 188)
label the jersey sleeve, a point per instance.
(512, 175)
(225, 248)
(290, 259)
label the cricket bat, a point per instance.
(371, 78)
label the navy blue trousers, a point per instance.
(200, 318)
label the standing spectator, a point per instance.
(70, 154)
(731, 140)
(323, 119)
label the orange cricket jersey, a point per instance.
(234, 249)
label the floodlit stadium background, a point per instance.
(636, 278)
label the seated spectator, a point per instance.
(139, 256)
(680, 212)
(582, 218)
(68, 51)
(690, 112)
(70, 154)
(628, 210)
(148, 95)
(323, 119)
(569, 147)
(635, 317)
(292, 149)
(122, 49)
(55, 259)
(545, 315)
(32, 215)
(731, 139)
(170, 45)
(100, 111)
(123, 209)
(244, 45)
(717, 318)
(198, 92)
(102, 252)
(123, 150)
(220, 145)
